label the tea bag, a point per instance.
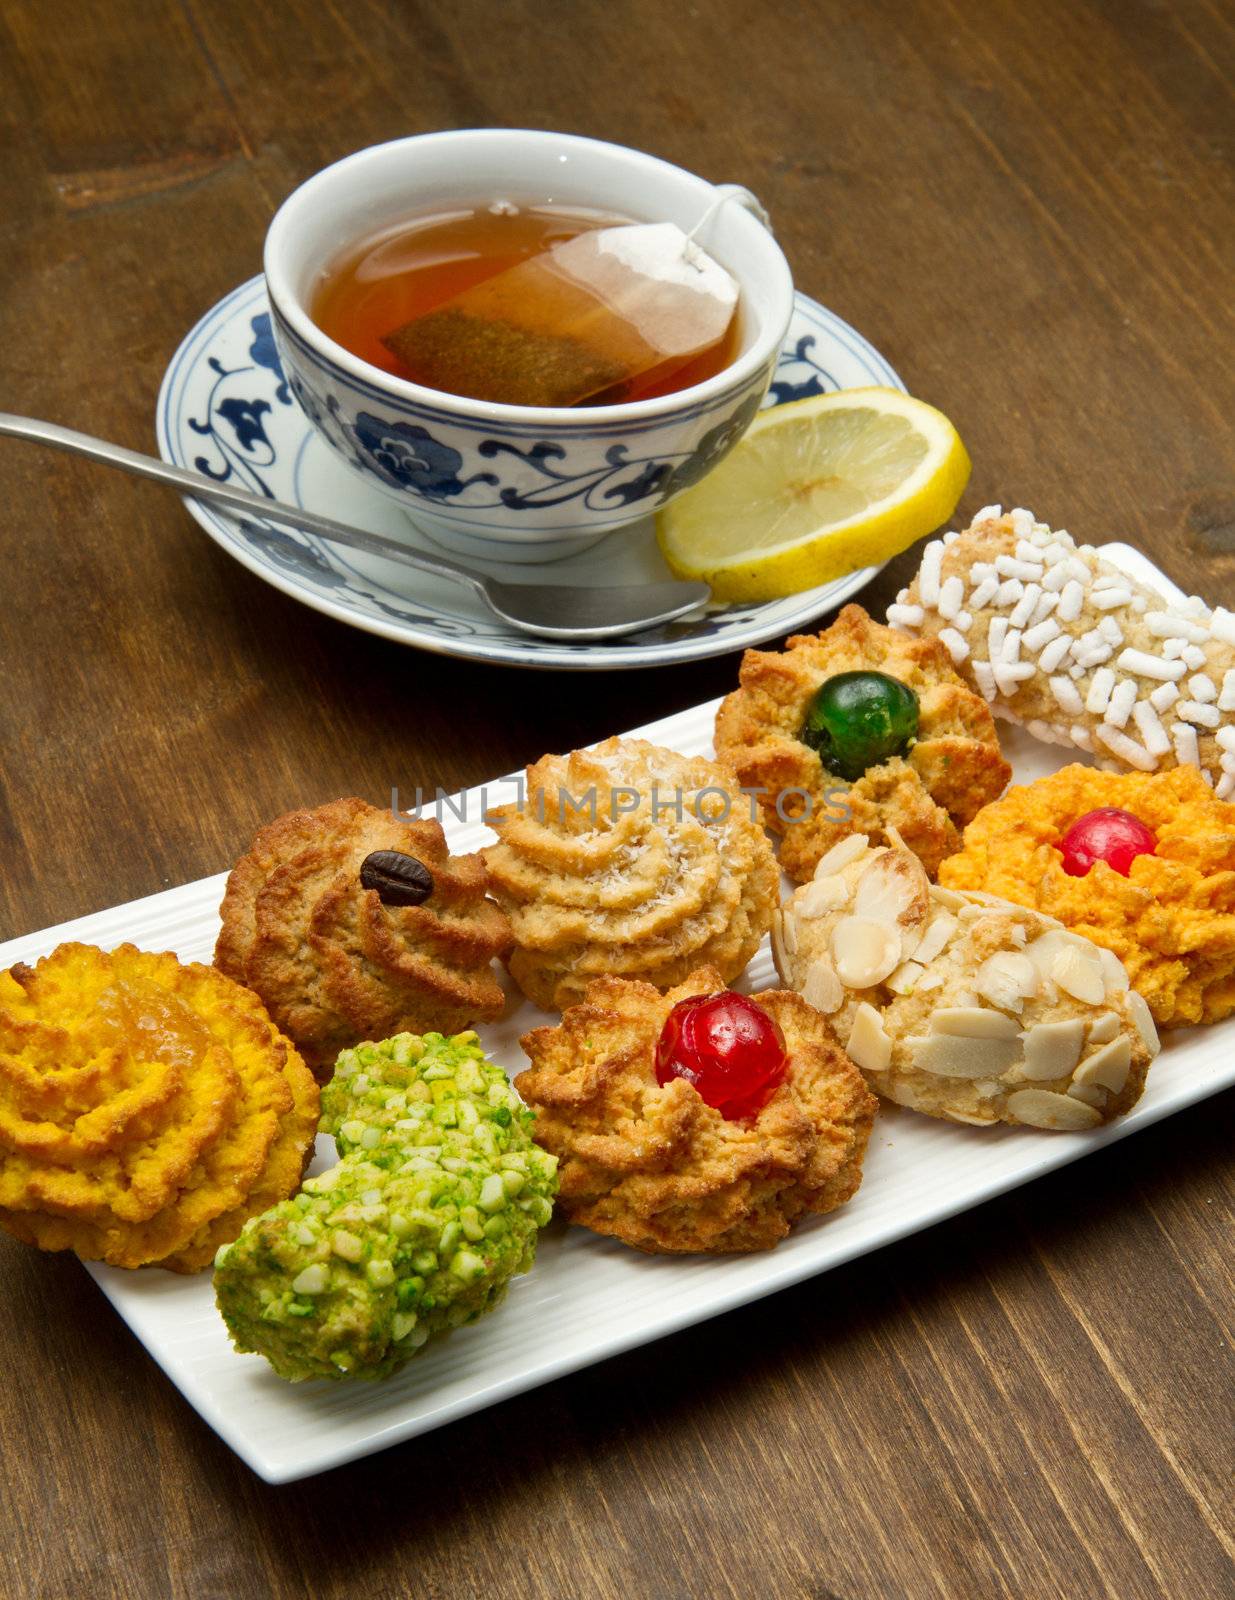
(587, 317)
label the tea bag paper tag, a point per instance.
(653, 276)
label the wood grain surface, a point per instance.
(1029, 206)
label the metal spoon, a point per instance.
(547, 610)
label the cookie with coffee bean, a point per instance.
(352, 923)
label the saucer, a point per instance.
(225, 409)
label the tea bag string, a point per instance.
(725, 194)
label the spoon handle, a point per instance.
(224, 494)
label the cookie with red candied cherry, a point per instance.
(698, 1121)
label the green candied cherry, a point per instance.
(858, 720)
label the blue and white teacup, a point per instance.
(517, 483)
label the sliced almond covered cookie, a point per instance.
(961, 1005)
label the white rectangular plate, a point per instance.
(586, 1297)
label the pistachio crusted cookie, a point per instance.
(354, 924)
(963, 1006)
(633, 861)
(657, 1166)
(859, 729)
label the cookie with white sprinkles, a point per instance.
(1060, 640)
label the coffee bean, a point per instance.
(398, 879)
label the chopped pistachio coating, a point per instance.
(433, 1208)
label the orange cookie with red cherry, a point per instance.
(1141, 863)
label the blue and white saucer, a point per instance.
(225, 409)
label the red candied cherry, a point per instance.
(1108, 834)
(727, 1047)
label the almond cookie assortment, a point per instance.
(352, 924)
(962, 1005)
(1159, 892)
(147, 1108)
(860, 729)
(629, 861)
(709, 1131)
(1059, 639)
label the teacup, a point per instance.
(517, 483)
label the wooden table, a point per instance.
(1031, 209)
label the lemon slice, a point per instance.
(813, 490)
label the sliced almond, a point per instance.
(821, 896)
(973, 1122)
(869, 1046)
(974, 1022)
(895, 890)
(951, 1055)
(951, 899)
(929, 980)
(1108, 1066)
(1143, 1020)
(788, 930)
(1079, 973)
(1007, 979)
(1090, 1094)
(1113, 971)
(1061, 1113)
(864, 951)
(822, 988)
(1052, 1049)
(988, 1088)
(1103, 1028)
(841, 854)
(905, 979)
(939, 930)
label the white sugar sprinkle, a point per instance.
(1009, 674)
(980, 571)
(1067, 695)
(1226, 700)
(996, 635)
(1166, 625)
(1010, 567)
(1222, 625)
(1025, 551)
(988, 512)
(1046, 604)
(1011, 648)
(985, 678)
(1100, 686)
(957, 645)
(1119, 744)
(1025, 606)
(1194, 711)
(1151, 666)
(1164, 696)
(1226, 786)
(1151, 729)
(1110, 598)
(984, 593)
(928, 574)
(1193, 657)
(1054, 652)
(1174, 648)
(1070, 601)
(1123, 698)
(1081, 736)
(1226, 738)
(1010, 591)
(951, 598)
(951, 538)
(1041, 634)
(901, 616)
(962, 622)
(1203, 688)
(1056, 576)
(1110, 630)
(1187, 751)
